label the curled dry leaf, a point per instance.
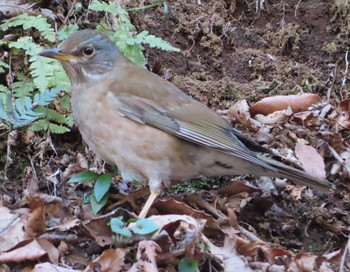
(35, 223)
(297, 103)
(183, 230)
(312, 161)
(277, 117)
(343, 121)
(110, 260)
(171, 206)
(146, 256)
(307, 118)
(240, 111)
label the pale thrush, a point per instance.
(149, 128)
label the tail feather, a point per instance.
(298, 176)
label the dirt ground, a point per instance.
(230, 50)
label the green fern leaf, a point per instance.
(46, 97)
(58, 129)
(27, 22)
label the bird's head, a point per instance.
(86, 55)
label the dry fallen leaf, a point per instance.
(146, 256)
(240, 111)
(29, 250)
(110, 260)
(312, 162)
(11, 227)
(277, 117)
(343, 121)
(282, 102)
(49, 267)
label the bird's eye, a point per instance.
(88, 51)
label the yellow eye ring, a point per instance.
(88, 51)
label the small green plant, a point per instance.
(98, 199)
(143, 227)
(188, 265)
(21, 112)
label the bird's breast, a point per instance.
(140, 151)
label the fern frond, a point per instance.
(21, 112)
(45, 72)
(45, 98)
(27, 21)
(128, 43)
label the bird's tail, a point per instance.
(298, 176)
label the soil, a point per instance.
(230, 50)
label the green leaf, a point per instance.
(46, 97)
(27, 22)
(84, 176)
(98, 205)
(145, 226)
(40, 125)
(187, 265)
(58, 129)
(118, 226)
(102, 185)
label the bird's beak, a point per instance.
(55, 53)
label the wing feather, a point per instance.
(180, 122)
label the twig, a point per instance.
(250, 235)
(339, 159)
(346, 252)
(69, 13)
(345, 73)
(297, 8)
(329, 91)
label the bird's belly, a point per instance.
(140, 151)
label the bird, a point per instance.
(150, 129)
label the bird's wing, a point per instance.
(191, 121)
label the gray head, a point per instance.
(86, 56)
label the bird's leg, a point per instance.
(149, 203)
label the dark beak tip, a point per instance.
(50, 53)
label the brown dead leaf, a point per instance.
(297, 103)
(27, 250)
(110, 260)
(183, 230)
(240, 111)
(237, 187)
(49, 267)
(307, 118)
(50, 249)
(230, 259)
(312, 162)
(11, 228)
(308, 263)
(146, 256)
(35, 223)
(343, 121)
(272, 254)
(277, 117)
(172, 206)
